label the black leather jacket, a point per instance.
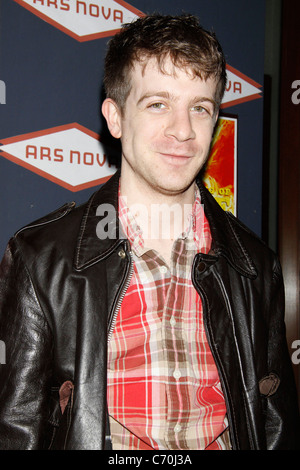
(60, 289)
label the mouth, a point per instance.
(175, 159)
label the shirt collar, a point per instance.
(197, 229)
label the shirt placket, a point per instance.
(175, 355)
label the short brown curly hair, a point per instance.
(179, 37)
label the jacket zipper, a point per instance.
(120, 298)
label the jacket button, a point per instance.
(122, 254)
(201, 267)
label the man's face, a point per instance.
(165, 128)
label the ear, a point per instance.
(112, 114)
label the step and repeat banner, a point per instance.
(54, 144)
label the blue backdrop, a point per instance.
(52, 79)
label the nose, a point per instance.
(180, 126)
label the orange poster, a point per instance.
(220, 172)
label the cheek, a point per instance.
(133, 141)
(132, 128)
(205, 133)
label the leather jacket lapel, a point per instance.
(90, 247)
(226, 241)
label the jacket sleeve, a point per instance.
(282, 412)
(26, 368)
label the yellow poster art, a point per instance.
(220, 172)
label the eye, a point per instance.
(200, 109)
(203, 110)
(156, 106)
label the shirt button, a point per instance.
(177, 428)
(173, 321)
(176, 374)
(163, 269)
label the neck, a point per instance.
(161, 217)
(136, 191)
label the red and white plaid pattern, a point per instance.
(163, 386)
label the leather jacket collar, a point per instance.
(90, 249)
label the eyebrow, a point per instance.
(167, 95)
(159, 94)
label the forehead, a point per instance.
(149, 74)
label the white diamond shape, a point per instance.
(240, 88)
(86, 19)
(71, 156)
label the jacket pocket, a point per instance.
(61, 405)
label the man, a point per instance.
(117, 335)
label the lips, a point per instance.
(174, 159)
(172, 155)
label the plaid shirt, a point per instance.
(163, 386)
